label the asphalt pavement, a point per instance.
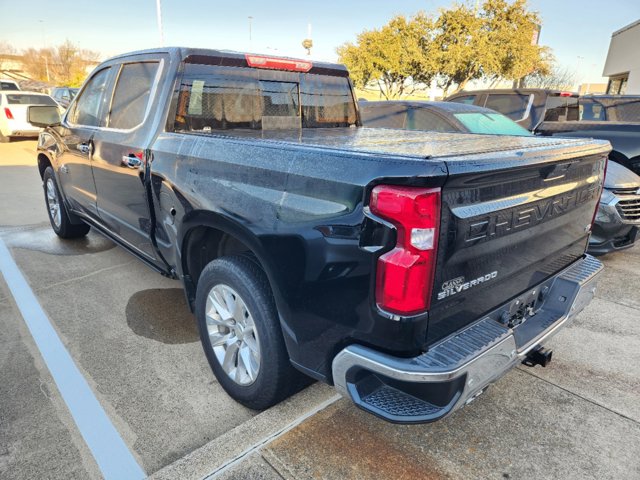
(134, 342)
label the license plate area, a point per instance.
(523, 307)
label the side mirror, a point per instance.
(43, 115)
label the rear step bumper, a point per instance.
(453, 372)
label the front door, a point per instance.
(77, 130)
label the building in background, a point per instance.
(623, 61)
(592, 88)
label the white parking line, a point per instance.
(112, 455)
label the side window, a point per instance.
(513, 106)
(91, 108)
(467, 99)
(384, 116)
(423, 119)
(131, 94)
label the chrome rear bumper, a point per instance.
(457, 369)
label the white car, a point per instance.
(13, 113)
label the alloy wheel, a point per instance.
(233, 334)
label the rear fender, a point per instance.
(234, 229)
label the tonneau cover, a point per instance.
(416, 144)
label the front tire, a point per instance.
(240, 333)
(58, 216)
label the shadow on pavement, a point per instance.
(162, 314)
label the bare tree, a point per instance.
(5, 50)
(65, 64)
(560, 78)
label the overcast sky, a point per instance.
(577, 31)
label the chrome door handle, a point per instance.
(131, 161)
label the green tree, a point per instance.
(511, 29)
(462, 44)
(461, 47)
(395, 58)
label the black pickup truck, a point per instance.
(409, 269)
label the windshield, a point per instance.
(214, 98)
(29, 99)
(490, 124)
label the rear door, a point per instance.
(120, 161)
(509, 224)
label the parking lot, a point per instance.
(134, 341)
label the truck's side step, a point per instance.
(397, 403)
(379, 395)
(410, 403)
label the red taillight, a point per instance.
(8, 114)
(566, 94)
(275, 63)
(404, 277)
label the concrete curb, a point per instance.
(231, 448)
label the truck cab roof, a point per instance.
(232, 58)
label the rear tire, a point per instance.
(241, 335)
(58, 216)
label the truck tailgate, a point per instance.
(509, 223)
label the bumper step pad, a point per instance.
(399, 404)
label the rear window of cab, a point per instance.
(212, 98)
